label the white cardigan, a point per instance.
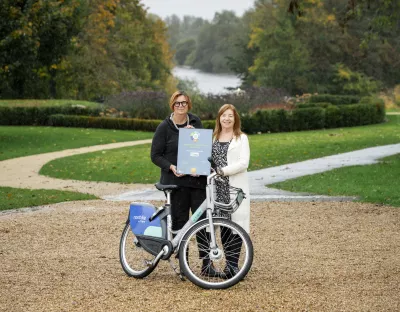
(238, 158)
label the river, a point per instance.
(207, 82)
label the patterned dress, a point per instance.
(219, 156)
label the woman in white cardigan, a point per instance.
(231, 154)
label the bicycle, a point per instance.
(148, 238)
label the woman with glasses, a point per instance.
(164, 154)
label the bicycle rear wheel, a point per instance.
(231, 263)
(134, 259)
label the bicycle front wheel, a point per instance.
(134, 259)
(220, 268)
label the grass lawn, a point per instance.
(378, 183)
(133, 164)
(268, 150)
(18, 141)
(126, 165)
(12, 198)
(395, 109)
(43, 103)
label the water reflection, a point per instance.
(207, 82)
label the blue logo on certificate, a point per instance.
(195, 135)
(194, 148)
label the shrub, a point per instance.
(208, 124)
(154, 104)
(361, 114)
(334, 99)
(309, 105)
(346, 81)
(308, 118)
(267, 121)
(371, 100)
(141, 104)
(333, 117)
(207, 106)
(40, 115)
(104, 122)
(313, 118)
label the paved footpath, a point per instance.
(23, 172)
(260, 178)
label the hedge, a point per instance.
(104, 122)
(112, 123)
(307, 119)
(28, 116)
(208, 124)
(309, 105)
(313, 118)
(334, 99)
(262, 121)
(372, 100)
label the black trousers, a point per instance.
(184, 200)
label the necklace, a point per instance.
(172, 118)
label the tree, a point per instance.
(382, 16)
(241, 62)
(282, 60)
(120, 47)
(35, 38)
(184, 49)
(80, 49)
(217, 41)
(302, 49)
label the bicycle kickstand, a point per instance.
(173, 266)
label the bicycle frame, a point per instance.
(172, 244)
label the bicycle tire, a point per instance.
(134, 258)
(191, 268)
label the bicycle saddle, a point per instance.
(162, 187)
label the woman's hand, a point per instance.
(173, 169)
(189, 127)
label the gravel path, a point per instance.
(321, 256)
(308, 257)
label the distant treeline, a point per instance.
(343, 46)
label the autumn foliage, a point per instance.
(80, 49)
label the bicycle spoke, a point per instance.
(219, 271)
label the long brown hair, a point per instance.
(175, 95)
(236, 126)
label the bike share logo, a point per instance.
(194, 136)
(141, 219)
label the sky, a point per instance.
(199, 8)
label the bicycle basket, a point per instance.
(236, 196)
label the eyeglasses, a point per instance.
(183, 104)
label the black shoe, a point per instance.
(229, 272)
(208, 269)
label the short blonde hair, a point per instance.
(175, 95)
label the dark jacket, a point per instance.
(164, 152)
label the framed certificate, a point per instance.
(194, 148)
